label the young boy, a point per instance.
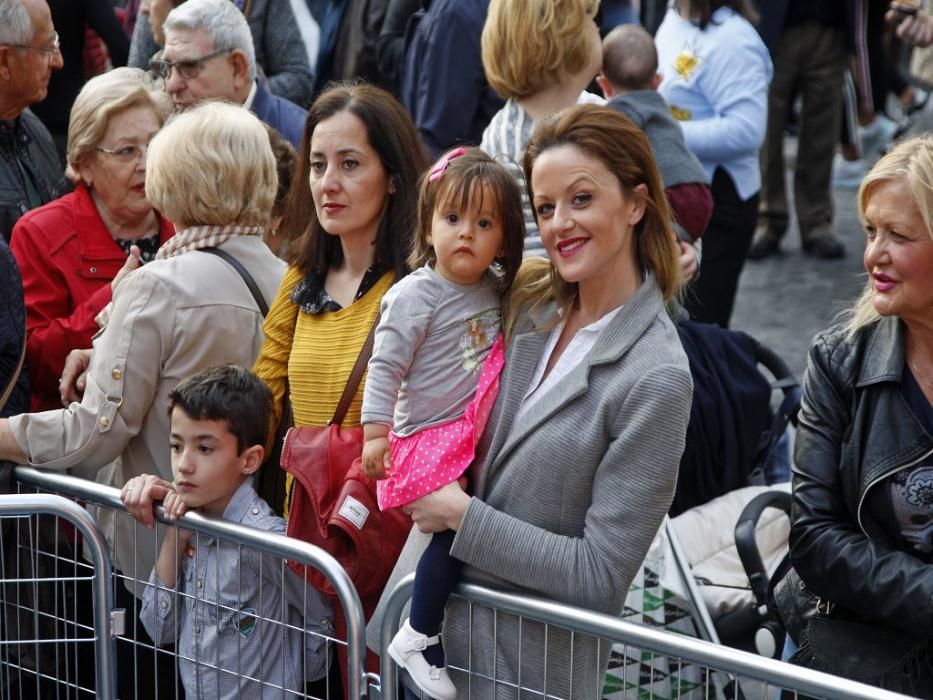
(231, 600)
(629, 81)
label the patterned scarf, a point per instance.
(192, 238)
(198, 237)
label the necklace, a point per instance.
(924, 380)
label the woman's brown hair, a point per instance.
(394, 138)
(605, 134)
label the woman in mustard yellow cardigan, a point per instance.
(353, 199)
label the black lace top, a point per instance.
(312, 298)
(148, 247)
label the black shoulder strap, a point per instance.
(16, 372)
(248, 278)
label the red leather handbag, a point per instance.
(333, 502)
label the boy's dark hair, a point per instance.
(228, 393)
(630, 59)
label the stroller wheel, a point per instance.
(769, 640)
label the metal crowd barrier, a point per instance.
(726, 672)
(155, 671)
(34, 639)
(723, 672)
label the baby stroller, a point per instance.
(734, 440)
(757, 534)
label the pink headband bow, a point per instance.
(438, 170)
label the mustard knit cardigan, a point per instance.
(315, 353)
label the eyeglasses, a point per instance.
(41, 49)
(125, 154)
(187, 69)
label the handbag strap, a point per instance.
(356, 376)
(244, 273)
(15, 378)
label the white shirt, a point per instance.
(248, 104)
(716, 83)
(579, 347)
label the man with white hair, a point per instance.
(30, 172)
(209, 54)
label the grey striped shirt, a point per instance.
(505, 139)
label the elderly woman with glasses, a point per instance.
(73, 251)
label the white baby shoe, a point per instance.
(405, 650)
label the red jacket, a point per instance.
(67, 259)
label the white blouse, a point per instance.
(579, 347)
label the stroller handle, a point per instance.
(747, 546)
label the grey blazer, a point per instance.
(567, 499)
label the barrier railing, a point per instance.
(740, 674)
(723, 671)
(19, 621)
(223, 616)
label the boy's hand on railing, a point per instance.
(174, 506)
(139, 495)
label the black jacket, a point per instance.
(70, 18)
(12, 334)
(855, 431)
(25, 145)
(729, 412)
(443, 85)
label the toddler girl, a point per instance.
(434, 372)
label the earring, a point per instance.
(392, 185)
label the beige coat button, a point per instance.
(116, 374)
(104, 422)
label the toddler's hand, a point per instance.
(377, 458)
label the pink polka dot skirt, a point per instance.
(428, 459)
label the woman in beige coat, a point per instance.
(183, 312)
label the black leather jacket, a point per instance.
(26, 140)
(855, 431)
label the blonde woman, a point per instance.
(212, 173)
(862, 532)
(74, 250)
(539, 73)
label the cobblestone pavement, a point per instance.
(784, 300)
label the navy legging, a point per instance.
(435, 578)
